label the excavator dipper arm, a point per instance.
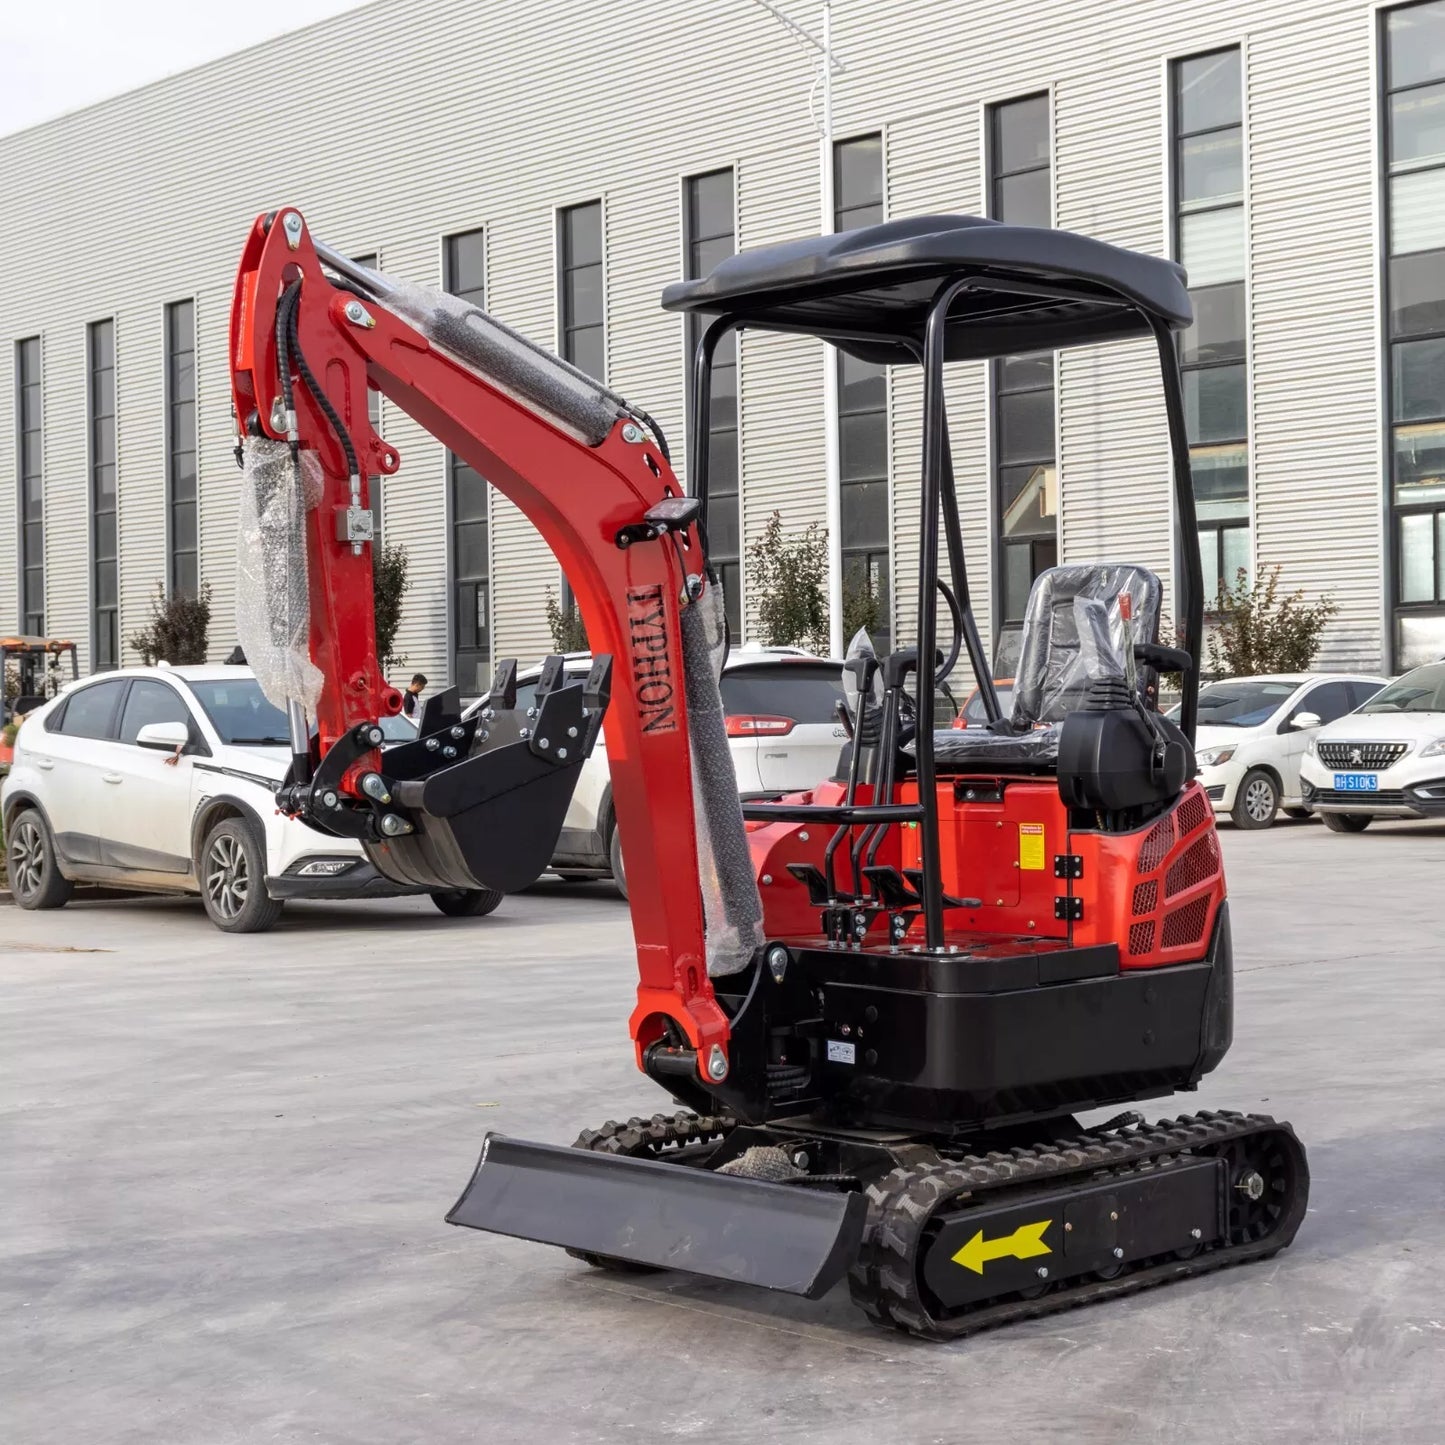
(590, 475)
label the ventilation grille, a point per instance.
(1185, 925)
(1141, 937)
(1370, 757)
(1146, 899)
(1197, 864)
(1157, 845)
(1192, 813)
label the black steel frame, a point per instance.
(938, 495)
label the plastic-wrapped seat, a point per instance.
(1073, 635)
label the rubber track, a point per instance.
(649, 1138)
(902, 1202)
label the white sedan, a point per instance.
(1252, 736)
(164, 779)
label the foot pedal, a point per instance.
(892, 891)
(915, 877)
(811, 877)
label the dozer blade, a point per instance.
(670, 1216)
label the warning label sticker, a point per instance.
(1031, 846)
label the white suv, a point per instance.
(784, 734)
(164, 779)
(1252, 736)
(1385, 761)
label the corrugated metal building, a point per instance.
(567, 161)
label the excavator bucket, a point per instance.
(670, 1216)
(491, 818)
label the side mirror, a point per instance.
(163, 737)
(1305, 720)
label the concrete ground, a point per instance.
(226, 1162)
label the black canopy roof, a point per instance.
(870, 290)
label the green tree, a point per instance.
(862, 606)
(390, 583)
(1261, 631)
(178, 628)
(788, 577)
(565, 625)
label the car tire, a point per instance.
(231, 869)
(614, 858)
(1257, 800)
(35, 876)
(467, 902)
(1347, 822)
(1297, 813)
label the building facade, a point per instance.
(561, 169)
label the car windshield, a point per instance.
(975, 712)
(807, 692)
(239, 712)
(1420, 691)
(398, 728)
(1244, 703)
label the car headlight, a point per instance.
(1434, 750)
(1312, 748)
(1212, 757)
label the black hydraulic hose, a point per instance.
(322, 400)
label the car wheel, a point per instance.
(467, 902)
(614, 857)
(232, 872)
(1297, 812)
(1347, 822)
(1257, 800)
(35, 876)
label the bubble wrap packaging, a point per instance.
(732, 908)
(273, 605)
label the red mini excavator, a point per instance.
(879, 1004)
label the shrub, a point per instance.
(389, 584)
(177, 630)
(565, 625)
(862, 607)
(1258, 630)
(789, 579)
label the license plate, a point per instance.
(1356, 783)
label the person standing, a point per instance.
(411, 698)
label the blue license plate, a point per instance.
(1356, 783)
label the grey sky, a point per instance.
(59, 55)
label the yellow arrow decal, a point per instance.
(1025, 1242)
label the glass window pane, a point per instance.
(1221, 481)
(1417, 293)
(466, 266)
(1211, 246)
(1417, 124)
(1209, 566)
(862, 385)
(730, 575)
(105, 588)
(582, 296)
(858, 173)
(1017, 580)
(722, 526)
(1026, 426)
(587, 351)
(1415, 43)
(183, 425)
(150, 702)
(723, 399)
(1417, 558)
(1418, 388)
(863, 447)
(180, 316)
(34, 589)
(1211, 167)
(1234, 542)
(1024, 200)
(1420, 462)
(582, 234)
(711, 205)
(1208, 91)
(469, 493)
(471, 550)
(722, 476)
(187, 574)
(183, 526)
(91, 710)
(865, 514)
(1029, 499)
(1021, 134)
(708, 254)
(1417, 211)
(105, 534)
(1017, 373)
(1419, 639)
(1218, 330)
(1215, 407)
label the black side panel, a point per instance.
(1218, 1024)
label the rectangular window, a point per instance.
(373, 412)
(1207, 175)
(469, 563)
(863, 421)
(29, 415)
(1413, 57)
(183, 541)
(579, 234)
(100, 406)
(709, 236)
(1025, 449)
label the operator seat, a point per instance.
(1073, 636)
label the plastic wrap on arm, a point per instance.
(273, 602)
(732, 907)
(507, 360)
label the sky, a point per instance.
(59, 55)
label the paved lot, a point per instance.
(226, 1163)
